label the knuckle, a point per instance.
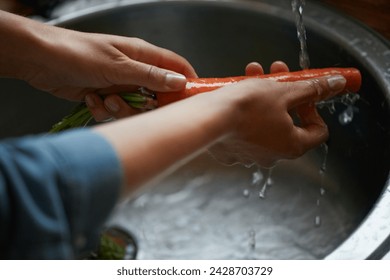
(137, 45)
(317, 87)
(290, 87)
(150, 73)
(154, 75)
(293, 89)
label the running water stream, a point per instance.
(304, 63)
(297, 8)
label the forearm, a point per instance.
(152, 143)
(20, 44)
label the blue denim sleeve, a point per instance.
(56, 192)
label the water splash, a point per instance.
(257, 176)
(259, 182)
(349, 100)
(348, 114)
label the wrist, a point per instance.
(236, 105)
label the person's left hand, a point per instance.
(81, 66)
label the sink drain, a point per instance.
(116, 244)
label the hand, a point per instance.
(107, 103)
(267, 132)
(76, 65)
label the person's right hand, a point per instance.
(266, 131)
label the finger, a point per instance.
(313, 130)
(279, 66)
(308, 114)
(254, 69)
(313, 90)
(96, 107)
(117, 107)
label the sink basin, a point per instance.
(332, 203)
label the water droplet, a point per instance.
(262, 191)
(325, 147)
(325, 151)
(249, 165)
(268, 182)
(317, 221)
(332, 107)
(252, 239)
(257, 176)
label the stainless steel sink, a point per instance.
(330, 204)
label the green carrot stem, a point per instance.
(80, 115)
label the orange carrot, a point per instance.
(200, 85)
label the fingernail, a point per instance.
(90, 101)
(337, 83)
(111, 105)
(175, 81)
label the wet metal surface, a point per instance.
(209, 211)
